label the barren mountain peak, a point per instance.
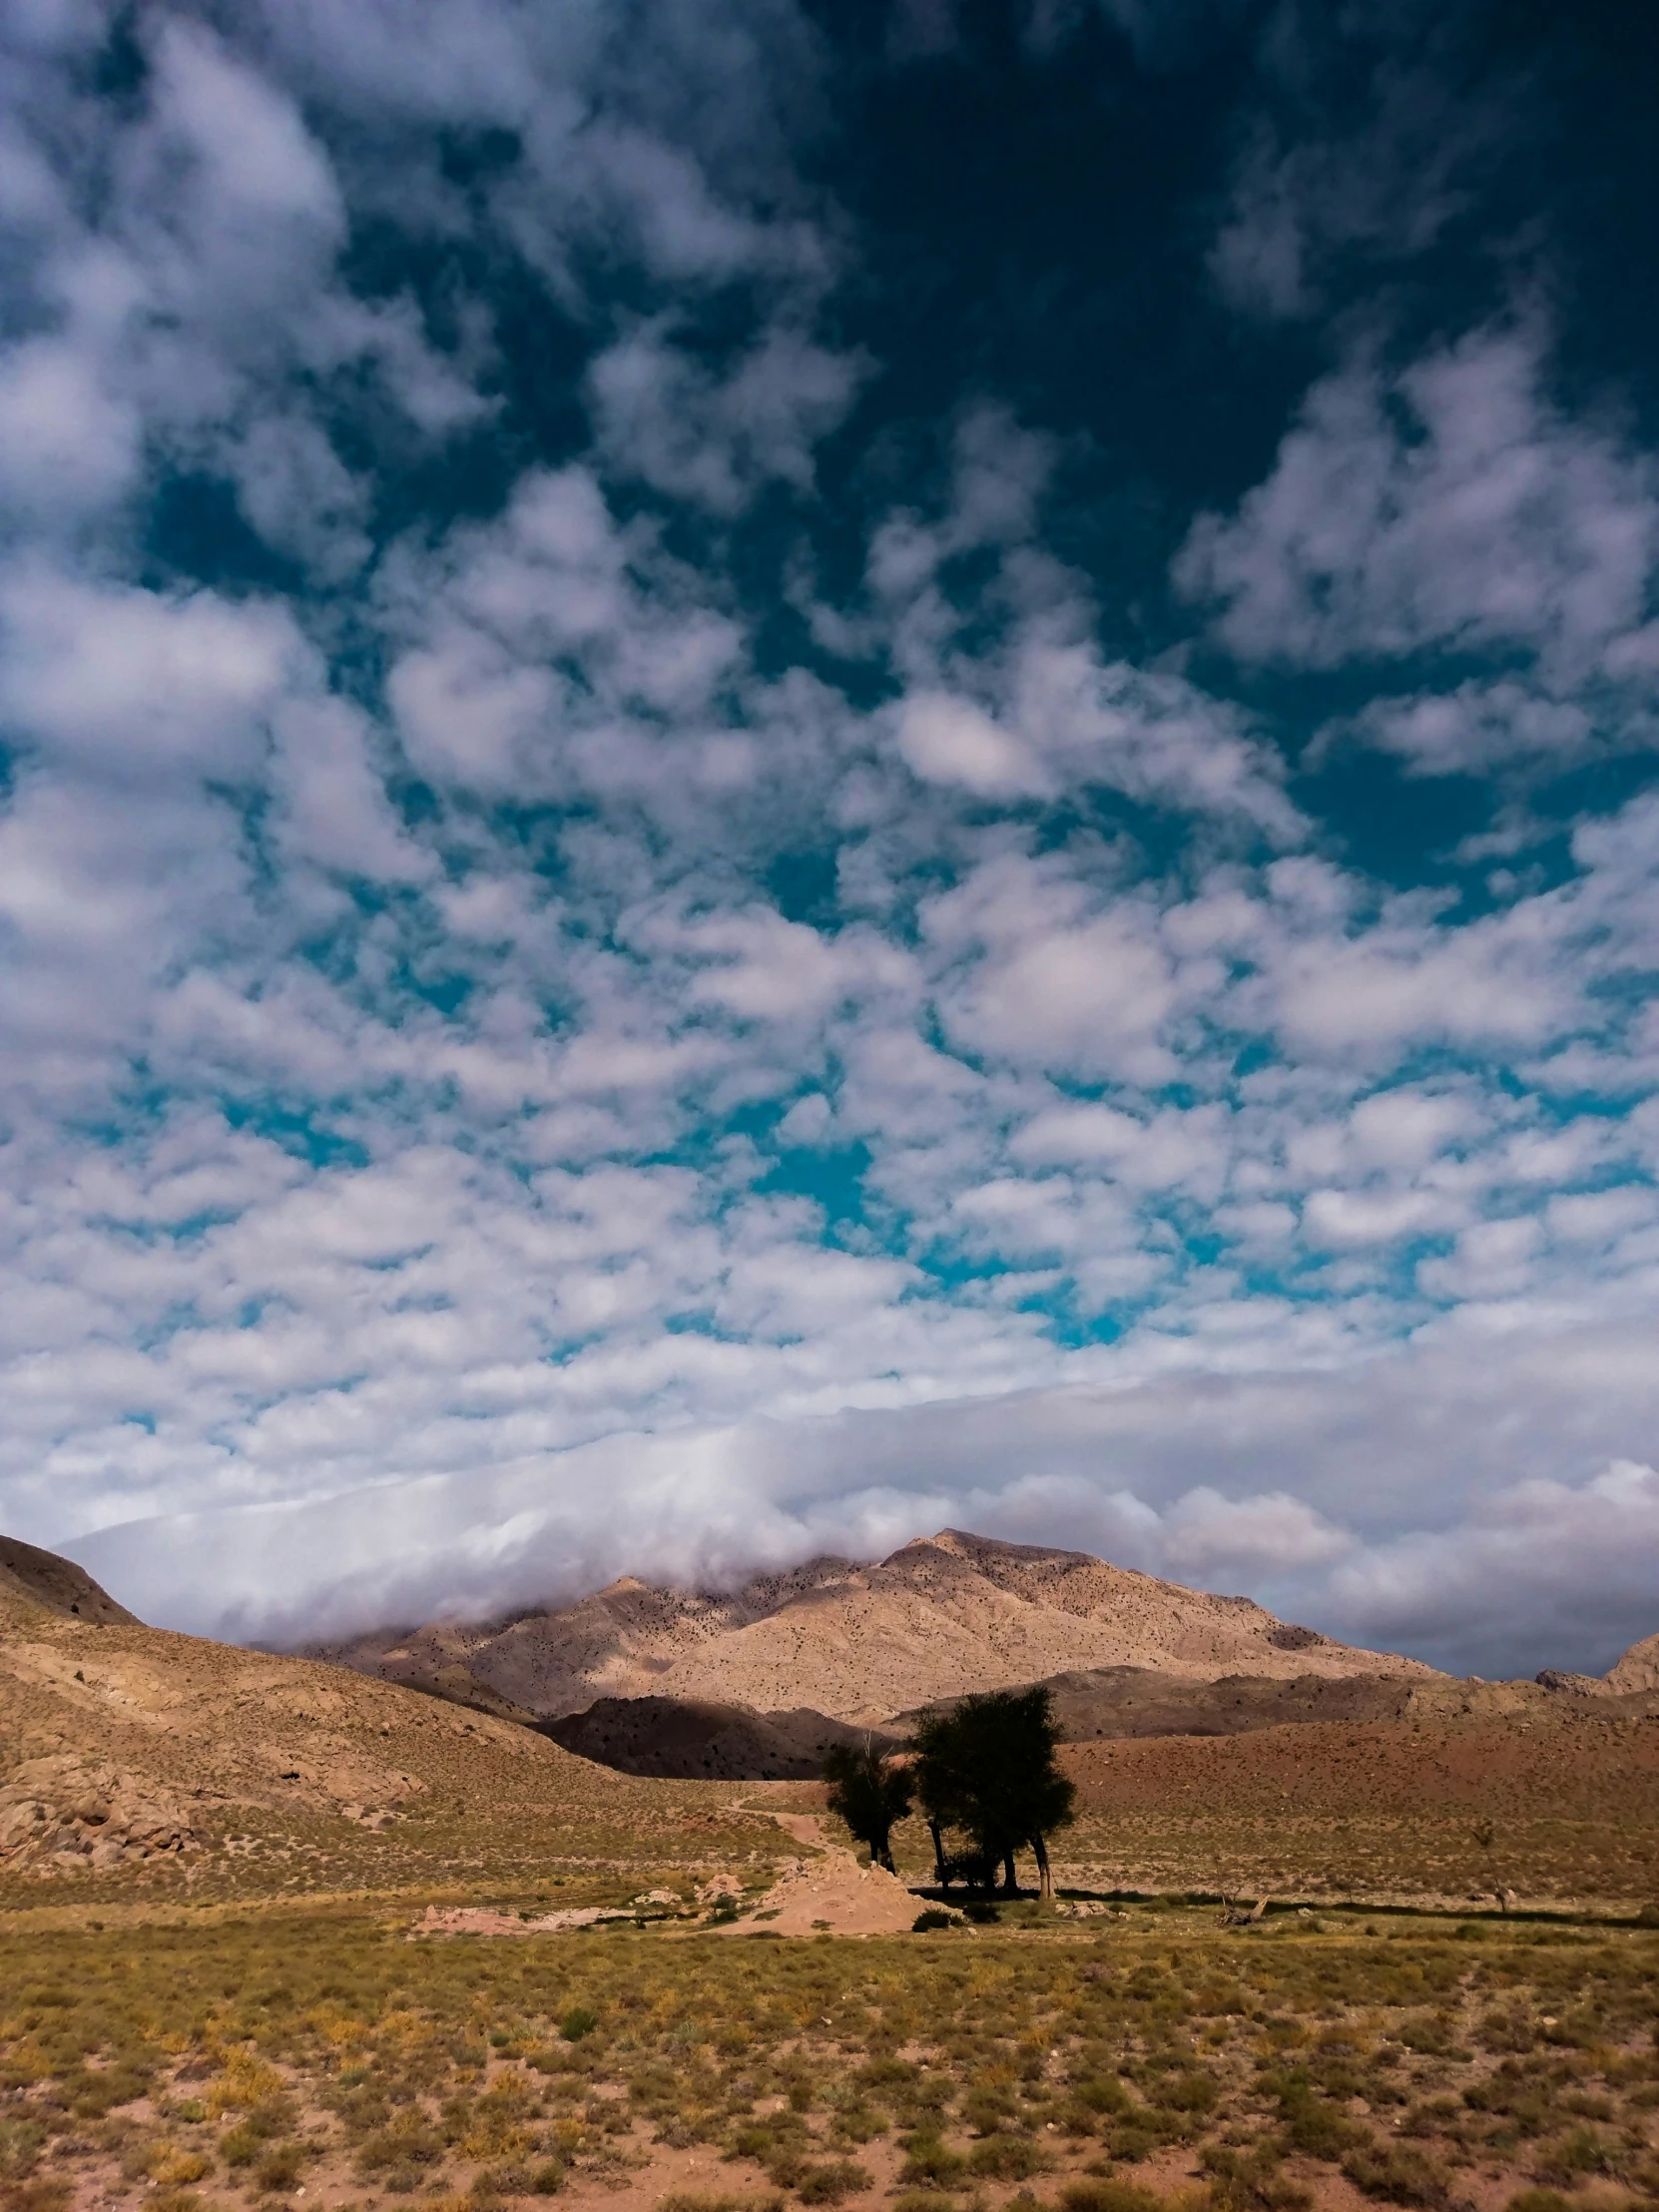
(941, 1615)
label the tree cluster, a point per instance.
(984, 1776)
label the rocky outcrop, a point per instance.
(63, 1814)
(1637, 1671)
(1636, 1675)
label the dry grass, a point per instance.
(1561, 1810)
(249, 2058)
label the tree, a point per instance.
(986, 1765)
(871, 1794)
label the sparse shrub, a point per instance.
(1006, 2158)
(1251, 2180)
(1187, 2093)
(1581, 2151)
(280, 2169)
(1396, 2173)
(20, 2146)
(1102, 2093)
(580, 2021)
(832, 2181)
(928, 2158)
(1107, 2195)
(684, 2200)
(932, 1920)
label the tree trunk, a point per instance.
(941, 1871)
(881, 1851)
(1010, 1880)
(1046, 1873)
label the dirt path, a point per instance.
(806, 1828)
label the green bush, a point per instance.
(927, 2158)
(1006, 2158)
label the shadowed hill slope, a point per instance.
(693, 1737)
(944, 1615)
(58, 1584)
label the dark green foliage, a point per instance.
(870, 1793)
(986, 1767)
(931, 1920)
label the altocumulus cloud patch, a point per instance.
(767, 780)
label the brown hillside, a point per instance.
(944, 1615)
(134, 1760)
(1556, 1802)
(58, 1584)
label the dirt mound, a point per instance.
(60, 1585)
(698, 1739)
(829, 1894)
(944, 1615)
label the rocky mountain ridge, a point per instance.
(942, 1615)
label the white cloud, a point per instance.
(491, 998)
(662, 417)
(132, 684)
(951, 740)
(1268, 1534)
(1449, 505)
(1305, 1486)
(66, 445)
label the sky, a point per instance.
(776, 772)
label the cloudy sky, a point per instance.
(774, 772)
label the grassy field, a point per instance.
(265, 2056)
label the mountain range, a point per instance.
(136, 1760)
(940, 1617)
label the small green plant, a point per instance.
(580, 2021)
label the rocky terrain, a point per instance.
(941, 1616)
